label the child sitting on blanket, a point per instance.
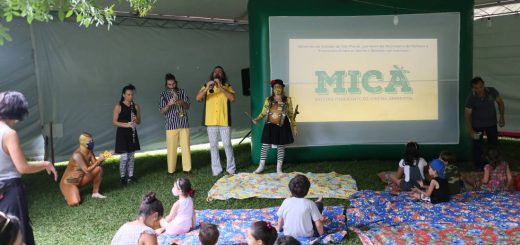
(411, 166)
(451, 172)
(182, 214)
(208, 234)
(298, 216)
(438, 190)
(287, 240)
(497, 176)
(261, 233)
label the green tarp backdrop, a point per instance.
(259, 28)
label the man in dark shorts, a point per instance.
(481, 117)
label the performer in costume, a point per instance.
(277, 129)
(174, 105)
(83, 168)
(126, 116)
(217, 95)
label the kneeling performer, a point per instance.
(277, 129)
(83, 168)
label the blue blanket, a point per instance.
(380, 217)
(233, 224)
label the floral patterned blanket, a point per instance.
(469, 218)
(233, 224)
(247, 185)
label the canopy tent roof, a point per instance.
(487, 9)
(235, 11)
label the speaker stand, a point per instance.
(249, 133)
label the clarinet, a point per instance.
(132, 115)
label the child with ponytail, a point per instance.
(261, 233)
(182, 215)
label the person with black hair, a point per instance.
(126, 117)
(261, 233)
(208, 234)
(174, 105)
(298, 216)
(10, 233)
(142, 230)
(13, 108)
(279, 127)
(437, 190)
(481, 117)
(451, 172)
(411, 168)
(218, 95)
(497, 175)
(287, 240)
(82, 168)
(182, 215)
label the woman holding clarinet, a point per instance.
(126, 116)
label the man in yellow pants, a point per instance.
(174, 105)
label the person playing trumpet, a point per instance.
(174, 105)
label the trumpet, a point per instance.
(180, 110)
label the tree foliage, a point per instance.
(87, 12)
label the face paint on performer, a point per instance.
(278, 89)
(86, 141)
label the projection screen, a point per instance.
(370, 79)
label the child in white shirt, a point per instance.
(298, 216)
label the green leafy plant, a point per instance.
(87, 12)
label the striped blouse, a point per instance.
(172, 118)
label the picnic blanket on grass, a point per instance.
(247, 185)
(475, 177)
(233, 224)
(471, 217)
(426, 233)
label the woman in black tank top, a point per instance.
(126, 116)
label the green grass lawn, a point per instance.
(96, 221)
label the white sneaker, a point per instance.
(216, 174)
(97, 195)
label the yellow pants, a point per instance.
(172, 141)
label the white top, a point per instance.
(298, 215)
(129, 234)
(7, 167)
(184, 217)
(422, 164)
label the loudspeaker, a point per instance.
(245, 82)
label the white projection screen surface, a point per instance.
(364, 80)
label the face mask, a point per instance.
(90, 145)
